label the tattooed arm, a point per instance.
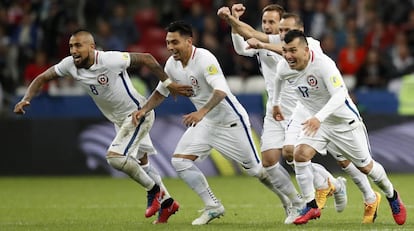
(138, 59)
(34, 88)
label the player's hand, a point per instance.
(179, 89)
(224, 12)
(192, 119)
(137, 116)
(237, 10)
(254, 43)
(277, 113)
(19, 107)
(311, 126)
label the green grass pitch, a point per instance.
(104, 203)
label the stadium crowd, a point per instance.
(371, 41)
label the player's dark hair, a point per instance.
(292, 34)
(296, 17)
(81, 30)
(181, 27)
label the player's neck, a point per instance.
(91, 60)
(187, 58)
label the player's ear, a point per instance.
(189, 40)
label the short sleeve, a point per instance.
(115, 60)
(63, 67)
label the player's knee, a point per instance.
(257, 171)
(343, 163)
(181, 164)
(287, 152)
(117, 161)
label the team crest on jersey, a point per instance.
(212, 69)
(194, 81)
(103, 79)
(312, 81)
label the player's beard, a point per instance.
(83, 63)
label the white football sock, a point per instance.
(131, 167)
(379, 177)
(195, 179)
(283, 183)
(304, 177)
(321, 176)
(155, 175)
(362, 182)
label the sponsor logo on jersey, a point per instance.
(336, 81)
(212, 69)
(102, 79)
(312, 81)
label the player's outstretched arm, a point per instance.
(154, 100)
(193, 118)
(138, 59)
(240, 27)
(257, 44)
(34, 88)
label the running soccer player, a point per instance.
(219, 122)
(273, 134)
(103, 75)
(335, 122)
(276, 139)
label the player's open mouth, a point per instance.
(291, 62)
(175, 54)
(76, 58)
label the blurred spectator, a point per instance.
(402, 59)
(374, 73)
(105, 39)
(408, 28)
(36, 67)
(350, 60)
(319, 20)
(339, 11)
(5, 78)
(196, 16)
(351, 56)
(351, 27)
(328, 45)
(122, 25)
(24, 42)
(52, 25)
(71, 25)
(211, 43)
(380, 36)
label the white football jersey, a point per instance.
(107, 82)
(267, 63)
(288, 95)
(204, 74)
(316, 84)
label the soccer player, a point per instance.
(335, 122)
(291, 21)
(103, 75)
(273, 131)
(274, 136)
(219, 121)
